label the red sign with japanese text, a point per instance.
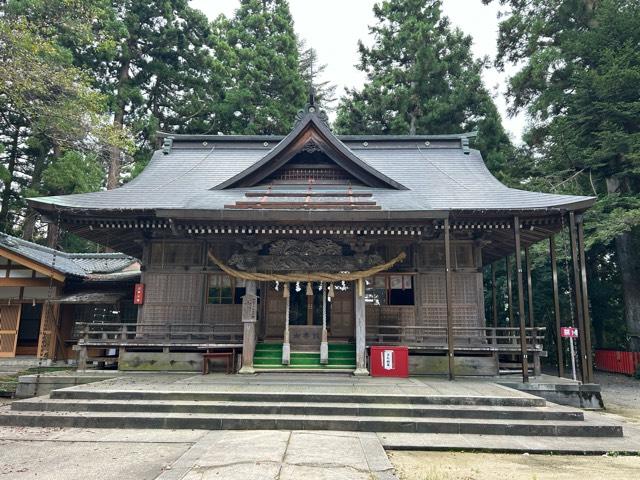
(569, 332)
(138, 294)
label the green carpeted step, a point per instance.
(341, 356)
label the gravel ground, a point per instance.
(621, 394)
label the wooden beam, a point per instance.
(494, 296)
(25, 282)
(573, 231)
(449, 295)
(523, 334)
(585, 302)
(556, 304)
(527, 255)
(38, 267)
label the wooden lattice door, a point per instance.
(47, 343)
(9, 325)
(275, 313)
(342, 314)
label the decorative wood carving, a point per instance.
(292, 255)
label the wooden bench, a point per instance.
(228, 356)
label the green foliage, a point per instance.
(73, 172)
(267, 88)
(422, 78)
(578, 75)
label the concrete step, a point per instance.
(222, 421)
(308, 397)
(46, 404)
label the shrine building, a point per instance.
(302, 252)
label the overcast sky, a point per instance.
(333, 28)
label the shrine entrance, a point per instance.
(306, 309)
(305, 315)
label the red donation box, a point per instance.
(138, 294)
(389, 361)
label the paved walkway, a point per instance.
(307, 383)
(84, 454)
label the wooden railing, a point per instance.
(465, 338)
(166, 334)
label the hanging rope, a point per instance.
(306, 277)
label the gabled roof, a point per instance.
(218, 177)
(82, 265)
(310, 129)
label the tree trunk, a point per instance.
(52, 235)
(28, 229)
(6, 193)
(115, 155)
(627, 246)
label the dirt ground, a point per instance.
(621, 396)
(489, 466)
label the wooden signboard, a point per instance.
(249, 307)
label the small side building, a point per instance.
(46, 293)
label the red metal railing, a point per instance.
(617, 362)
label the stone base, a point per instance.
(573, 395)
(439, 365)
(160, 362)
(247, 370)
(361, 372)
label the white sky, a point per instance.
(333, 28)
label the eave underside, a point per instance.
(127, 233)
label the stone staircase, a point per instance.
(508, 415)
(268, 356)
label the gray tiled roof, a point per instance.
(439, 176)
(75, 264)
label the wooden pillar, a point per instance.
(494, 296)
(585, 303)
(523, 332)
(286, 346)
(509, 291)
(449, 295)
(573, 231)
(527, 256)
(324, 344)
(556, 305)
(361, 347)
(249, 318)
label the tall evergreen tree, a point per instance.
(311, 70)
(267, 88)
(422, 78)
(578, 79)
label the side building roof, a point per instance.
(81, 265)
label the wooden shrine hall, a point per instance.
(304, 251)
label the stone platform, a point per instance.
(306, 402)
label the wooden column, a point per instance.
(509, 291)
(527, 257)
(249, 318)
(494, 296)
(556, 304)
(324, 344)
(361, 347)
(585, 303)
(523, 332)
(573, 231)
(449, 295)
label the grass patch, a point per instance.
(8, 383)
